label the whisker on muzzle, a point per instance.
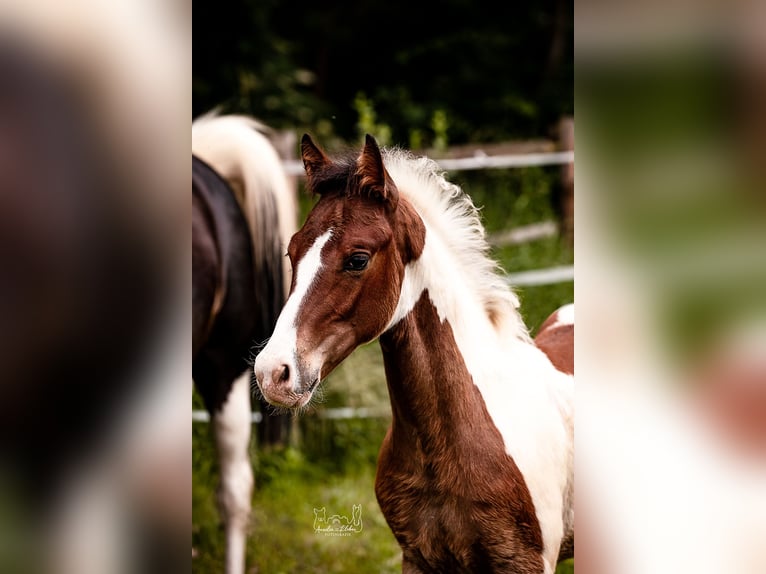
(255, 351)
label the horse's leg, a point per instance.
(231, 426)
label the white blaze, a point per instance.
(281, 348)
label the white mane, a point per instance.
(450, 212)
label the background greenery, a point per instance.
(486, 71)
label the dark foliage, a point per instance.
(498, 71)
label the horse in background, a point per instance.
(476, 472)
(244, 211)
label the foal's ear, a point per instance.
(373, 175)
(314, 158)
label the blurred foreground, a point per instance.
(671, 287)
(95, 445)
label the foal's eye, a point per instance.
(357, 262)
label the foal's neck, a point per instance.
(436, 407)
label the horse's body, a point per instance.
(476, 472)
(224, 275)
(243, 213)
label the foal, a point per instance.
(476, 472)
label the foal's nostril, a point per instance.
(280, 374)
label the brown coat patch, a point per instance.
(453, 498)
(556, 340)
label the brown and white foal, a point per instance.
(476, 471)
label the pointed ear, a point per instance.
(373, 175)
(314, 159)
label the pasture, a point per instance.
(331, 463)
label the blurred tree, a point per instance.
(497, 71)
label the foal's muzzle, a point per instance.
(283, 383)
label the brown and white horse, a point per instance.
(476, 472)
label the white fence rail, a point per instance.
(479, 160)
(524, 234)
(484, 161)
(341, 413)
(536, 277)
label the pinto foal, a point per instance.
(476, 471)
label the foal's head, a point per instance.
(348, 264)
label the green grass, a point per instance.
(282, 537)
(335, 465)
